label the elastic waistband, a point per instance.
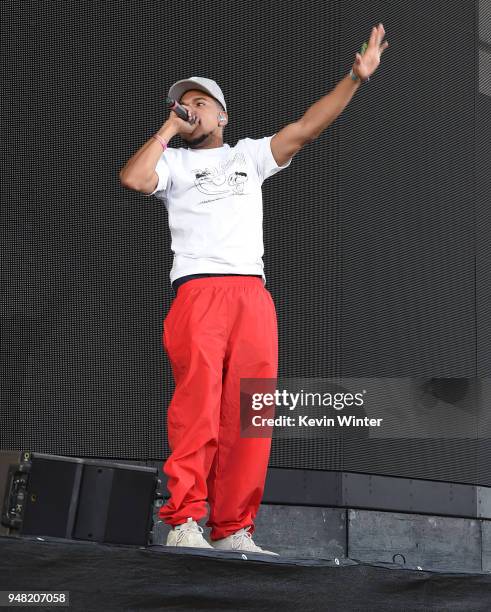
(220, 281)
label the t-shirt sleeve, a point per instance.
(163, 172)
(260, 148)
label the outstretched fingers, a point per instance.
(372, 41)
(376, 36)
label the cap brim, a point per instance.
(181, 87)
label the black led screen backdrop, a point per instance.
(376, 237)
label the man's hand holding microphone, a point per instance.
(139, 173)
(178, 121)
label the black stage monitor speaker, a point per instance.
(72, 498)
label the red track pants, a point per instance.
(217, 331)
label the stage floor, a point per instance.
(111, 577)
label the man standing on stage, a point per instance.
(221, 326)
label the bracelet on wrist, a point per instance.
(354, 77)
(161, 140)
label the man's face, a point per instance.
(207, 110)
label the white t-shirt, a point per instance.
(215, 208)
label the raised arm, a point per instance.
(322, 113)
(139, 173)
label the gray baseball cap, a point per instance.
(203, 84)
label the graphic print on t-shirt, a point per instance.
(228, 179)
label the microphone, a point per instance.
(180, 111)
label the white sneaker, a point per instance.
(240, 541)
(187, 534)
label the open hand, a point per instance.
(366, 64)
